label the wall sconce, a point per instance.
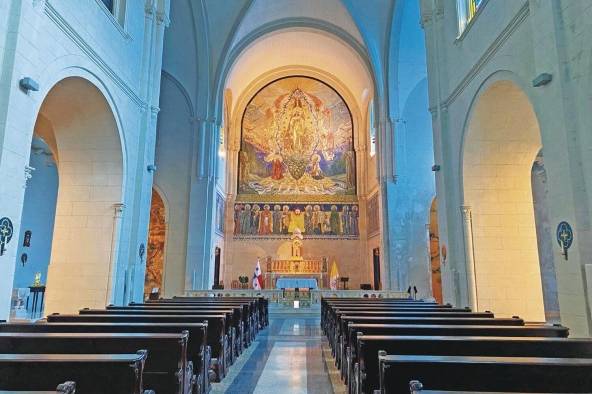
(29, 85)
(542, 80)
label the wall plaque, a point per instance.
(565, 237)
(6, 231)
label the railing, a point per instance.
(276, 295)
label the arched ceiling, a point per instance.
(262, 12)
(304, 49)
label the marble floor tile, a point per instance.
(286, 357)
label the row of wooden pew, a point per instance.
(169, 346)
(401, 346)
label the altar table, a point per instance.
(296, 283)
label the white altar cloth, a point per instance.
(292, 283)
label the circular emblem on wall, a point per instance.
(6, 231)
(565, 237)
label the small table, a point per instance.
(35, 290)
(344, 281)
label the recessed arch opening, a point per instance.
(501, 143)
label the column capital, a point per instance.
(118, 207)
(466, 210)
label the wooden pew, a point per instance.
(93, 373)
(416, 387)
(341, 343)
(251, 310)
(258, 307)
(241, 318)
(365, 376)
(261, 302)
(349, 341)
(63, 388)
(331, 318)
(234, 320)
(199, 353)
(167, 369)
(218, 332)
(478, 373)
(329, 314)
(345, 320)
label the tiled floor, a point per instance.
(288, 357)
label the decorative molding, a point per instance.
(28, 174)
(466, 212)
(163, 19)
(150, 8)
(118, 209)
(506, 33)
(111, 18)
(60, 22)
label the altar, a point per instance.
(296, 283)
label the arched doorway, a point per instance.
(434, 245)
(37, 223)
(78, 126)
(500, 146)
(156, 247)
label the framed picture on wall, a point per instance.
(219, 214)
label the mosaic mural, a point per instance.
(156, 241)
(281, 220)
(373, 215)
(297, 140)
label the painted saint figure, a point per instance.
(277, 166)
(296, 221)
(255, 219)
(335, 221)
(317, 220)
(265, 221)
(350, 168)
(246, 220)
(308, 227)
(285, 219)
(345, 220)
(237, 218)
(316, 172)
(354, 220)
(277, 219)
(243, 159)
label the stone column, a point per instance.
(201, 207)
(469, 255)
(118, 209)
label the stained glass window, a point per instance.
(108, 4)
(466, 10)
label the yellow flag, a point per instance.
(333, 276)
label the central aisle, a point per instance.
(289, 356)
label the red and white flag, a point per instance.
(257, 277)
